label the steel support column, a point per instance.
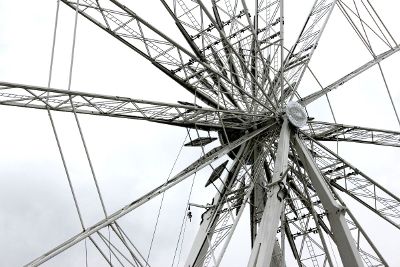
(257, 206)
(336, 212)
(263, 246)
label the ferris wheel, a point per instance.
(272, 161)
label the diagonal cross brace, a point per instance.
(194, 167)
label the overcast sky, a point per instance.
(132, 157)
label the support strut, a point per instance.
(336, 212)
(263, 246)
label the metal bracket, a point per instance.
(282, 177)
(201, 206)
(283, 192)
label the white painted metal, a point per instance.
(336, 212)
(296, 113)
(278, 257)
(202, 240)
(238, 69)
(256, 212)
(194, 167)
(261, 253)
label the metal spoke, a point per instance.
(266, 158)
(194, 167)
(325, 131)
(185, 115)
(302, 51)
(171, 58)
(346, 178)
(191, 29)
(316, 95)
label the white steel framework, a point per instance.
(243, 78)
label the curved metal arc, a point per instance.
(194, 167)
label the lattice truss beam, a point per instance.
(223, 34)
(220, 220)
(183, 114)
(307, 218)
(237, 66)
(215, 71)
(197, 165)
(369, 27)
(346, 178)
(324, 131)
(305, 224)
(300, 54)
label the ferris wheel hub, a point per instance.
(296, 113)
